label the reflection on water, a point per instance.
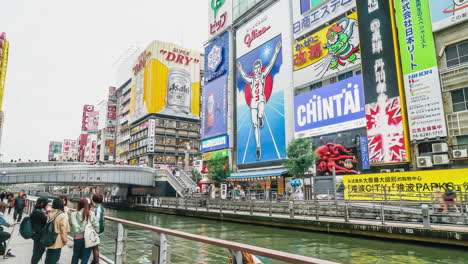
(337, 248)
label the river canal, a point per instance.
(343, 249)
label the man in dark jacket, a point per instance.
(38, 222)
(19, 203)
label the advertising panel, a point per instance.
(166, 81)
(385, 111)
(408, 185)
(310, 14)
(327, 52)
(83, 144)
(55, 147)
(420, 72)
(215, 143)
(217, 58)
(337, 107)
(151, 135)
(447, 13)
(92, 141)
(69, 145)
(214, 111)
(260, 88)
(219, 16)
(87, 110)
(4, 47)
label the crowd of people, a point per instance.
(50, 223)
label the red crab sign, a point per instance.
(336, 156)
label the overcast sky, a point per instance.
(62, 54)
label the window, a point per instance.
(461, 140)
(460, 100)
(345, 75)
(316, 85)
(457, 54)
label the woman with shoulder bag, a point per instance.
(57, 215)
(78, 221)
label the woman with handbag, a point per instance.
(61, 227)
(82, 223)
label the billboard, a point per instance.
(426, 118)
(69, 145)
(384, 96)
(408, 185)
(215, 143)
(337, 107)
(55, 147)
(311, 14)
(90, 118)
(219, 16)
(448, 13)
(261, 82)
(4, 47)
(151, 135)
(327, 52)
(166, 81)
(217, 58)
(214, 111)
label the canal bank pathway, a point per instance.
(410, 231)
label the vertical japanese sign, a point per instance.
(261, 83)
(329, 51)
(87, 110)
(151, 135)
(447, 13)
(219, 16)
(385, 113)
(419, 64)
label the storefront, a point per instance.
(257, 182)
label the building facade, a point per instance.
(123, 127)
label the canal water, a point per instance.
(343, 249)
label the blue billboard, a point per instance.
(337, 107)
(214, 108)
(260, 103)
(217, 58)
(215, 143)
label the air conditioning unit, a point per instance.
(399, 170)
(441, 159)
(439, 147)
(460, 153)
(385, 170)
(424, 162)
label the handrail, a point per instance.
(187, 179)
(269, 253)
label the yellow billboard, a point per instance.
(3, 68)
(166, 81)
(408, 185)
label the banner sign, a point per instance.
(421, 75)
(151, 135)
(310, 14)
(337, 107)
(261, 81)
(69, 145)
(87, 110)
(217, 58)
(387, 137)
(447, 13)
(327, 52)
(214, 109)
(219, 16)
(166, 81)
(408, 185)
(215, 143)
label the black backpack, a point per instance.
(25, 229)
(48, 235)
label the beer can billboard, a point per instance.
(384, 95)
(426, 119)
(166, 81)
(448, 13)
(327, 52)
(262, 77)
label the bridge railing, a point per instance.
(133, 242)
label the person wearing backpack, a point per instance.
(449, 198)
(38, 220)
(98, 212)
(78, 221)
(19, 203)
(61, 228)
(4, 236)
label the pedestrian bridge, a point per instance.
(85, 174)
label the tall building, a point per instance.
(123, 127)
(164, 106)
(105, 150)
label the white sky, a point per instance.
(62, 54)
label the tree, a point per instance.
(196, 175)
(218, 169)
(299, 156)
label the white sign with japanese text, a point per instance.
(151, 135)
(219, 16)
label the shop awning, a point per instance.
(256, 174)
